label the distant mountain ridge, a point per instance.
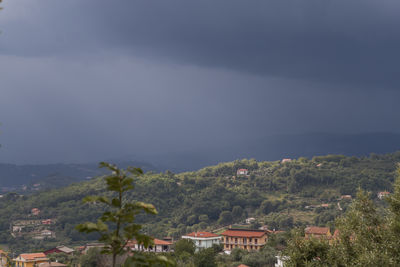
(55, 175)
(281, 146)
(266, 149)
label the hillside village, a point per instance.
(228, 240)
(281, 209)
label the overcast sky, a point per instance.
(84, 80)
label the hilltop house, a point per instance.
(346, 197)
(159, 246)
(382, 195)
(60, 249)
(203, 239)
(317, 232)
(286, 160)
(30, 260)
(250, 220)
(35, 211)
(247, 239)
(47, 221)
(240, 172)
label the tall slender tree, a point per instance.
(117, 225)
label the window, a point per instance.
(199, 242)
(235, 240)
(227, 246)
(255, 240)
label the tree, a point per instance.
(117, 225)
(394, 221)
(225, 217)
(90, 258)
(205, 258)
(237, 212)
(184, 246)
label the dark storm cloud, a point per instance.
(334, 41)
(92, 79)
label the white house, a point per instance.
(382, 195)
(250, 220)
(159, 246)
(281, 261)
(203, 239)
(242, 172)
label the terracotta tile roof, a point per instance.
(314, 230)
(244, 233)
(33, 256)
(202, 234)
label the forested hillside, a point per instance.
(280, 195)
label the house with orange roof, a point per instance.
(317, 232)
(349, 197)
(247, 239)
(240, 172)
(382, 195)
(286, 160)
(203, 239)
(159, 246)
(35, 211)
(30, 259)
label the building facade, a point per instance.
(159, 246)
(203, 239)
(30, 260)
(246, 239)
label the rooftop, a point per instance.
(33, 256)
(314, 230)
(202, 234)
(244, 233)
(156, 242)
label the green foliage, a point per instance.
(237, 212)
(195, 200)
(184, 247)
(90, 258)
(117, 224)
(205, 258)
(225, 218)
(366, 237)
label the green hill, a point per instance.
(281, 195)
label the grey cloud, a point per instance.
(347, 43)
(92, 79)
